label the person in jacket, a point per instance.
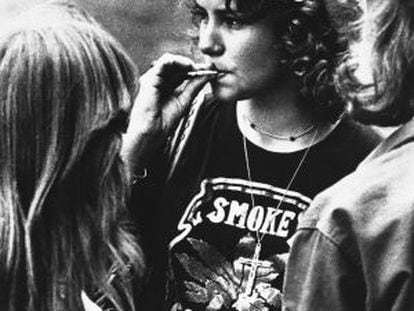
(355, 244)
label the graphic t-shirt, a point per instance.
(228, 235)
(217, 258)
(202, 227)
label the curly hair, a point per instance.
(310, 46)
(387, 36)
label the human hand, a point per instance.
(165, 94)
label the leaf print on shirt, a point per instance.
(220, 284)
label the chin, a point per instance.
(226, 94)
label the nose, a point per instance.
(210, 40)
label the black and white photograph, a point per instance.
(206, 155)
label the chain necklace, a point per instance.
(291, 138)
(255, 262)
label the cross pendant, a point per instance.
(254, 264)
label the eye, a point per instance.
(198, 15)
(234, 22)
(231, 21)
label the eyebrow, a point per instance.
(221, 11)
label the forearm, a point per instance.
(165, 95)
(138, 147)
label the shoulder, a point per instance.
(359, 136)
(204, 110)
(208, 104)
(347, 146)
(373, 203)
(194, 129)
(203, 114)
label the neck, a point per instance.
(283, 114)
(280, 112)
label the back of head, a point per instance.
(65, 88)
(386, 52)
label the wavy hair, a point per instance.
(387, 38)
(65, 90)
(310, 46)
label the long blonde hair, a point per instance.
(386, 51)
(65, 88)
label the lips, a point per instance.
(221, 69)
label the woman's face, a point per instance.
(244, 51)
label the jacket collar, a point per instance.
(399, 137)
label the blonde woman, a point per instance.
(65, 89)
